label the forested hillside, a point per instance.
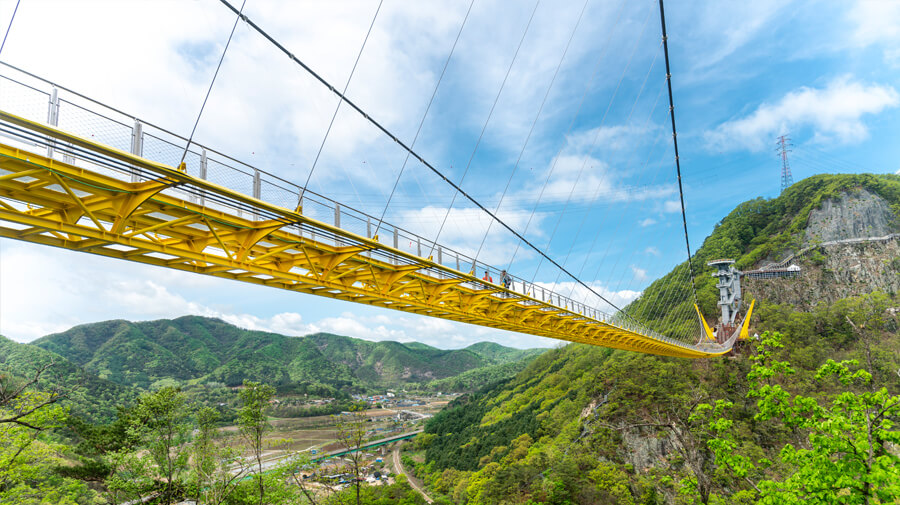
(86, 394)
(756, 231)
(198, 350)
(589, 425)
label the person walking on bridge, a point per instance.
(505, 280)
(487, 278)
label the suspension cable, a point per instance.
(338, 108)
(587, 88)
(687, 242)
(605, 176)
(410, 150)
(8, 28)
(425, 115)
(484, 128)
(646, 162)
(590, 152)
(531, 130)
(208, 91)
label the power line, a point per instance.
(208, 91)
(410, 150)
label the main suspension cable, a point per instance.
(338, 108)
(484, 128)
(425, 115)
(410, 150)
(687, 242)
(211, 83)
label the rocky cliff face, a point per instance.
(839, 270)
(833, 272)
(858, 214)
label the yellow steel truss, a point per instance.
(45, 201)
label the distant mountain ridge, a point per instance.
(199, 349)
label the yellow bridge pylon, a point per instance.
(99, 210)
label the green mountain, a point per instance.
(585, 424)
(768, 230)
(87, 395)
(195, 349)
(499, 354)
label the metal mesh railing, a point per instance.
(115, 128)
(93, 126)
(23, 100)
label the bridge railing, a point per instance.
(85, 117)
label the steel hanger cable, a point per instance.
(208, 91)
(409, 149)
(531, 130)
(587, 88)
(8, 28)
(338, 107)
(425, 115)
(486, 122)
(590, 152)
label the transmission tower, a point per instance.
(786, 178)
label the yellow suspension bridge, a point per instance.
(64, 190)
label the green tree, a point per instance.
(130, 479)
(28, 458)
(846, 455)
(351, 431)
(216, 469)
(254, 424)
(161, 421)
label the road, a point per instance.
(412, 480)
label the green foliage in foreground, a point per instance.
(589, 425)
(845, 457)
(27, 457)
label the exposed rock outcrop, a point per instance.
(832, 272)
(856, 214)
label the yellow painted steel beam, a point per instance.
(45, 201)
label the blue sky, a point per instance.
(743, 73)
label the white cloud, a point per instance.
(464, 230)
(575, 291)
(877, 22)
(672, 206)
(726, 27)
(640, 274)
(647, 222)
(652, 251)
(834, 113)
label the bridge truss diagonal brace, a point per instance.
(147, 224)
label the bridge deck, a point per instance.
(174, 220)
